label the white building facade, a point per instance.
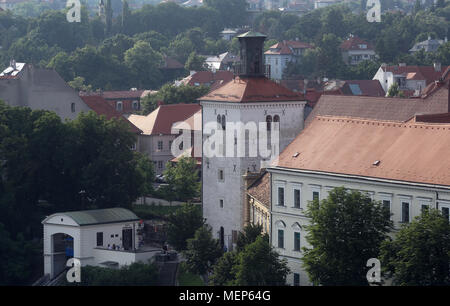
(249, 99)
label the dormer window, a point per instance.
(119, 106)
(135, 105)
(363, 46)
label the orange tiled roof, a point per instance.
(99, 105)
(245, 90)
(411, 152)
(353, 43)
(161, 120)
(260, 189)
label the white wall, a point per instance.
(231, 215)
(289, 219)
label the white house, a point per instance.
(250, 98)
(280, 55)
(102, 237)
(403, 165)
(355, 50)
(409, 78)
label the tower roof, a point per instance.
(248, 90)
(252, 34)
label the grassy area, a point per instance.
(188, 279)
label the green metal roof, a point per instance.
(252, 34)
(101, 216)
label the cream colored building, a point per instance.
(403, 165)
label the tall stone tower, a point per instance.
(250, 99)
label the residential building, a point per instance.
(23, 84)
(398, 163)
(250, 98)
(207, 78)
(228, 34)
(370, 88)
(192, 126)
(409, 78)
(282, 54)
(429, 45)
(257, 201)
(103, 237)
(224, 61)
(125, 101)
(157, 136)
(10, 4)
(355, 50)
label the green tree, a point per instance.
(346, 230)
(202, 251)
(126, 15)
(223, 274)
(419, 255)
(78, 84)
(109, 17)
(251, 232)
(259, 265)
(144, 62)
(146, 169)
(195, 62)
(183, 224)
(393, 90)
(171, 94)
(183, 179)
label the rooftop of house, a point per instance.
(355, 87)
(429, 45)
(433, 118)
(260, 189)
(99, 105)
(171, 63)
(247, 90)
(285, 47)
(209, 78)
(381, 108)
(194, 122)
(161, 120)
(393, 150)
(98, 216)
(13, 70)
(356, 43)
(427, 73)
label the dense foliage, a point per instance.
(136, 274)
(183, 224)
(345, 231)
(48, 166)
(419, 255)
(253, 263)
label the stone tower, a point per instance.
(249, 100)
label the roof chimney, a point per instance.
(437, 66)
(12, 63)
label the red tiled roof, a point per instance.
(171, 63)
(283, 47)
(208, 77)
(260, 189)
(412, 152)
(161, 120)
(427, 73)
(399, 109)
(126, 94)
(353, 43)
(101, 107)
(245, 90)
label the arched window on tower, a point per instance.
(269, 122)
(223, 122)
(219, 120)
(276, 118)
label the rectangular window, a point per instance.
(446, 212)
(221, 203)
(281, 238)
(405, 212)
(160, 164)
(297, 198)
(296, 279)
(100, 239)
(281, 196)
(387, 204)
(160, 145)
(424, 207)
(296, 241)
(315, 195)
(221, 175)
(234, 236)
